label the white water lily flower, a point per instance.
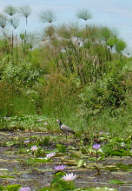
(69, 177)
(122, 144)
(45, 123)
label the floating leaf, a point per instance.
(81, 163)
(115, 181)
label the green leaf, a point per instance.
(81, 163)
(14, 187)
(115, 181)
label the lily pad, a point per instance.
(115, 181)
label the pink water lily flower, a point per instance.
(34, 148)
(69, 177)
(25, 189)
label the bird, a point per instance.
(65, 129)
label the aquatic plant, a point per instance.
(45, 123)
(59, 167)
(25, 189)
(34, 148)
(50, 155)
(69, 177)
(96, 146)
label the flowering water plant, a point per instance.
(96, 146)
(27, 141)
(25, 189)
(59, 167)
(69, 177)
(50, 155)
(34, 148)
(45, 123)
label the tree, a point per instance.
(25, 11)
(106, 33)
(47, 16)
(111, 42)
(14, 22)
(11, 11)
(120, 45)
(84, 14)
(3, 21)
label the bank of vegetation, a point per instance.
(77, 74)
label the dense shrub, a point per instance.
(108, 93)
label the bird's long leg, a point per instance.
(66, 136)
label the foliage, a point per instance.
(24, 74)
(78, 74)
(10, 10)
(14, 22)
(3, 21)
(25, 11)
(47, 16)
(84, 14)
(14, 187)
(107, 93)
(120, 45)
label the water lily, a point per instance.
(50, 155)
(34, 148)
(96, 146)
(69, 177)
(45, 123)
(60, 167)
(25, 189)
(27, 141)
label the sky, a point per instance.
(116, 14)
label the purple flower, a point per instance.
(34, 148)
(50, 155)
(96, 146)
(25, 189)
(60, 167)
(69, 177)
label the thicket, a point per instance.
(77, 74)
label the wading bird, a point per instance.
(65, 129)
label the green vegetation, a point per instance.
(77, 74)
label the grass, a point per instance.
(87, 87)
